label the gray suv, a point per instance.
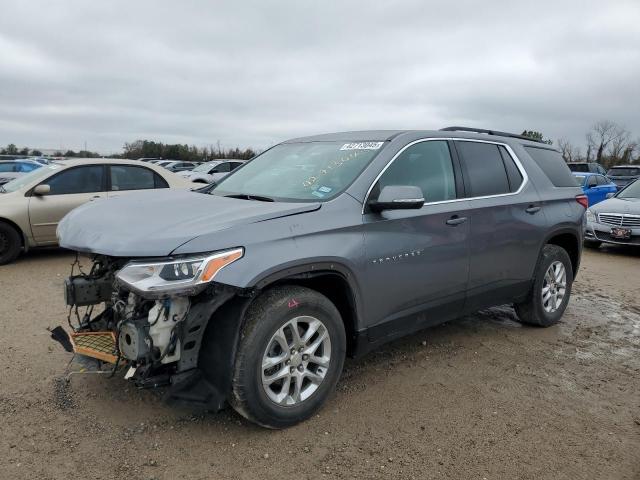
(252, 292)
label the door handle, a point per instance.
(532, 209)
(456, 220)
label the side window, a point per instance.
(85, 179)
(553, 166)
(235, 165)
(223, 167)
(159, 181)
(592, 181)
(513, 174)
(426, 165)
(602, 180)
(485, 168)
(128, 177)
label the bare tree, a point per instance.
(601, 137)
(570, 152)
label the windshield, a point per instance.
(620, 171)
(632, 191)
(204, 167)
(580, 180)
(300, 171)
(32, 176)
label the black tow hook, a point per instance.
(61, 336)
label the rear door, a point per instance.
(69, 189)
(130, 178)
(417, 260)
(507, 224)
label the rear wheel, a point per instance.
(551, 289)
(10, 243)
(290, 357)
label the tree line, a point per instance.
(607, 143)
(151, 149)
(147, 149)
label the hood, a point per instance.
(618, 205)
(155, 223)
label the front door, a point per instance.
(417, 261)
(69, 189)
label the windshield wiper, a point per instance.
(245, 196)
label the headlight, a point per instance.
(591, 217)
(175, 276)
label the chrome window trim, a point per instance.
(523, 172)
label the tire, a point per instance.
(10, 243)
(534, 311)
(274, 311)
(592, 243)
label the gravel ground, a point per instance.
(477, 398)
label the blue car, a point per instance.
(595, 186)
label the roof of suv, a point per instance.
(387, 135)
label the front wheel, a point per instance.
(290, 357)
(10, 244)
(551, 288)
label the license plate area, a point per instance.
(621, 233)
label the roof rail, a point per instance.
(489, 132)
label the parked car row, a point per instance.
(207, 172)
(32, 205)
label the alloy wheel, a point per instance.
(554, 287)
(296, 360)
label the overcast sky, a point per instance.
(255, 73)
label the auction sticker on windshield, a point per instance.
(362, 146)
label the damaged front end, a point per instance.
(148, 318)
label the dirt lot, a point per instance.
(481, 397)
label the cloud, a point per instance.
(255, 73)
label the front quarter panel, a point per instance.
(329, 235)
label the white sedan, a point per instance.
(212, 171)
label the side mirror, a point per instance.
(398, 197)
(611, 195)
(42, 189)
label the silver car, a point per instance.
(211, 171)
(32, 205)
(615, 220)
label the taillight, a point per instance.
(583, 200)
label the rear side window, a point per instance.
(553, 166)
(623, 171)
(485, 168)
(77, 180)
(223, 167)
(513, 174)
(126, 177)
